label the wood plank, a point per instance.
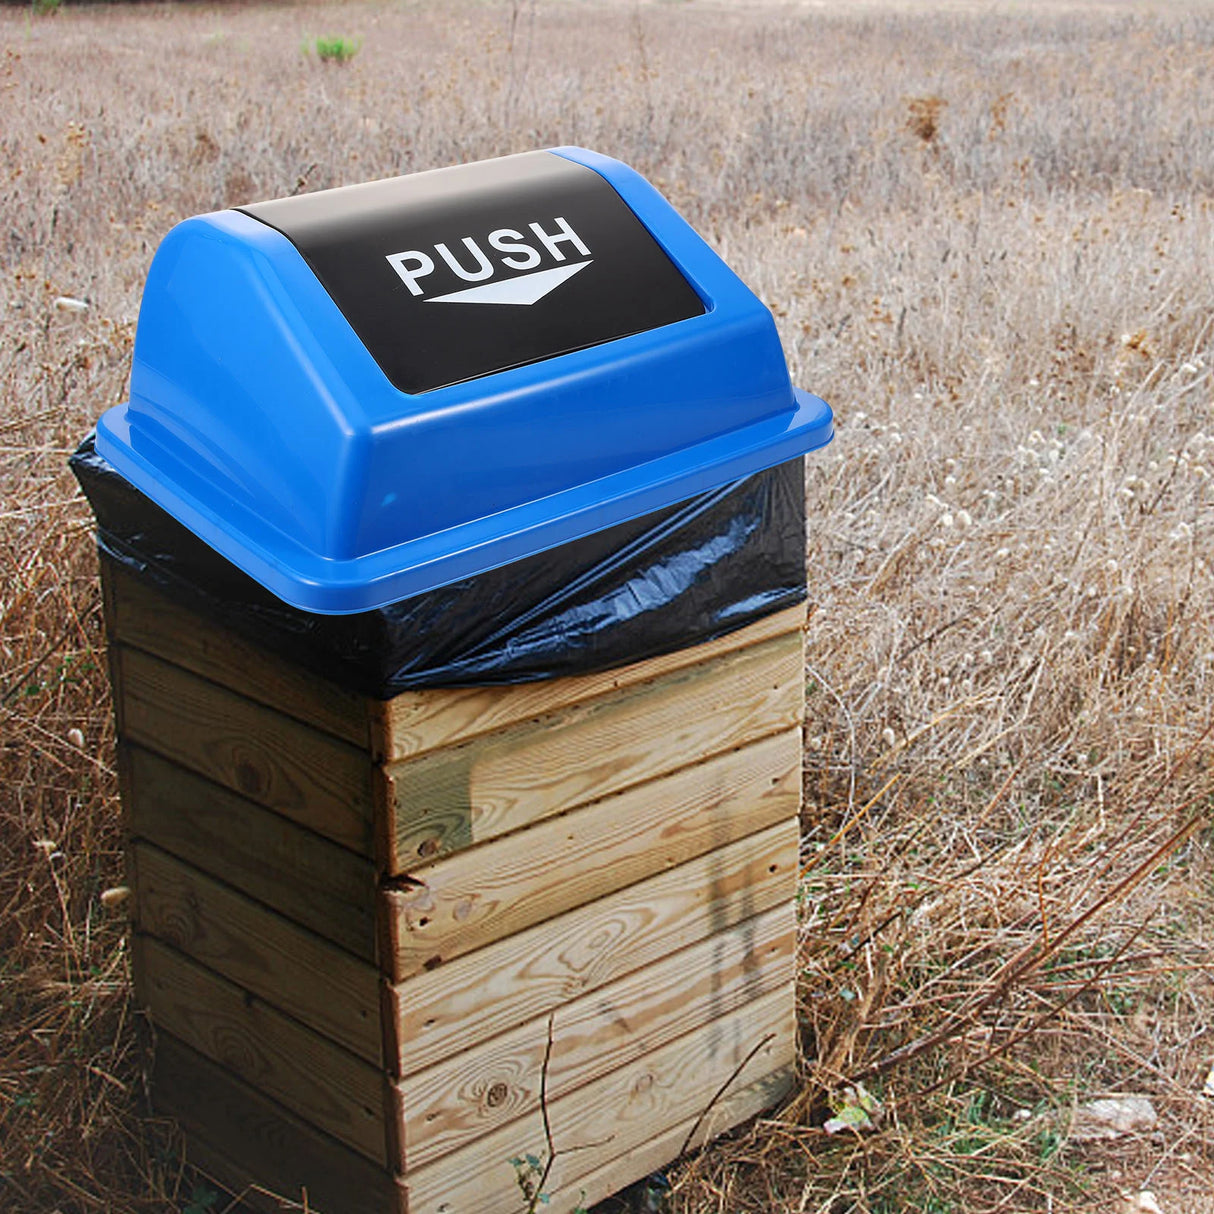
(324, 1084)
(229, 1178)
(288, 966)
(415, 722)
(296, 871)
(241, 1137)
(311, 777)
(453, 798)
(452, 1007)
(145, 618)
(468, 1096)
(474, 897)
(609, 1117)
(732, 1110)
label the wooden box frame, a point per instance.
(390, 947)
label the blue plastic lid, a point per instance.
(363, 394)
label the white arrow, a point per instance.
(525, 289)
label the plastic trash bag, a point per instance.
(664, 582)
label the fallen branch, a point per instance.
(699, 1121)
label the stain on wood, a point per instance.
(513, 778)
(470, 899)
(443, 1010)
(734, 1108)
(604, 1119)
(465, 1097)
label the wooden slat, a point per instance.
(475, 897)
(415, 722)
(141, 616)
(327, 1086)
(450, 1008)
(310, 776)
(241, 1137)
(452, 798)
(663, 1146)
(288, 966)
(232, 1179)
(309, 879)
(468, 1096)
(609, 1117)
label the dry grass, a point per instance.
(988, 239)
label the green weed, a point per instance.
(336, 49)
(202, 1200)
(530, 1172)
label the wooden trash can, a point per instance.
(464, 949)
(382, 944)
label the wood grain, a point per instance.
(467, 794)
(468, 1096)
(309, 776)
(327, 1086)
(143, 617)
(294, 870)
(449, 1008)
(474, 897)
(289, 967)
(664, 1145)
(605, 1119)
(241, 1137)
(415, 722)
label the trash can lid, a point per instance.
(365, 393)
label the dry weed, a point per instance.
(987, 238)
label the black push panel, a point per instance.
(453, 274)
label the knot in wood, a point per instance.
(249, 778)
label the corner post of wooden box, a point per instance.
(389, 1034)
(113, 653)
(130, 870)
(383, 835)
(138, 969)
(379, 741)
(109, 607)
(383, 840)
(394, 1128)
(126, 793)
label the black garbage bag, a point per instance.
(669, 580)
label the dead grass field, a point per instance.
(987, 232)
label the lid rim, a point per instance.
(329, 586)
